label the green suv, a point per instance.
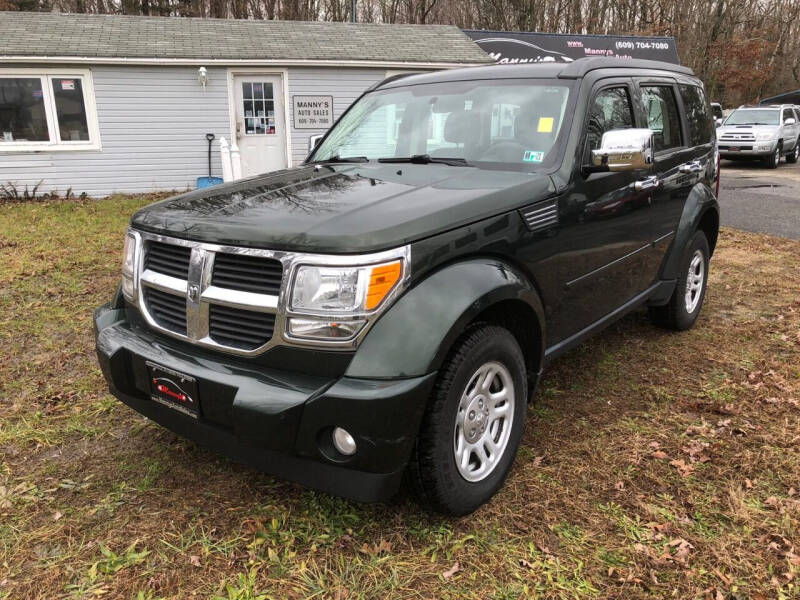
(382, 313)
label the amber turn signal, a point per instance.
(381, 281)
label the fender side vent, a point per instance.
(541, 215)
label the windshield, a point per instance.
(513, 122)
(754, 116)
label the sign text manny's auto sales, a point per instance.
(312, 112)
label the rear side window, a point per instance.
(700, 127)
(611, 109)
(662, 116)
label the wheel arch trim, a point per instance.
(415, 335)
(701, 200)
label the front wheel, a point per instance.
(682, 310)
(774, 159)
(794, 154)
(474, 422)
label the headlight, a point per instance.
(129, 265)
(765, 137)
(333, 303)
(349, 290)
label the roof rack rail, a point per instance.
(389, 79)
(582, 66)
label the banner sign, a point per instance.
(508, 47)
(312, 112)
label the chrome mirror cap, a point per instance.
(625, 150)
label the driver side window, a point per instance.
(611, 109)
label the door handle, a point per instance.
(647, 183)
(691, 167)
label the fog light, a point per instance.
(344, 442)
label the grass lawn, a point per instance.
(654, 464)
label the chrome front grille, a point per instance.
(168, 310)
(737, 137)
(215, 296)
(238, 328)
(168, 259)
(247, 273)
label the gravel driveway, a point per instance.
(758, 199)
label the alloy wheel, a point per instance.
(694, 281)
(483, 423)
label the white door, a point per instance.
(260, 125)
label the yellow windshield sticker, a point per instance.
(545, 125)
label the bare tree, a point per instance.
(742, 49)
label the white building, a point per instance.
(105, 103)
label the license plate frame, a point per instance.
(174, 390)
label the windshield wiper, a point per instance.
(425, 159)
(342, 159)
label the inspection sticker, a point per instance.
(533, 156)
(545, 125)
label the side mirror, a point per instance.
(313, 141)
(789, 121)
(624, 150)
(718, 121)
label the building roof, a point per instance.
(102, 37)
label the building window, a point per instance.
(47, 110)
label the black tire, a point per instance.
(774, 159)
(433, 471)
(676, 314)
(792, 157)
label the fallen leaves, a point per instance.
(382, 547)
(677, 550)
(685, 469)
(696, 450)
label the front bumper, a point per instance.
(747, 149)
(279, 422)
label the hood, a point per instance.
(746, 130)
(343, 208)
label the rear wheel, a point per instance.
(794, 154)
(684, 307)
(773, 160)
(474, 422)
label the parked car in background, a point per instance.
(387, 308)
(716, 112)
(761, 132)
